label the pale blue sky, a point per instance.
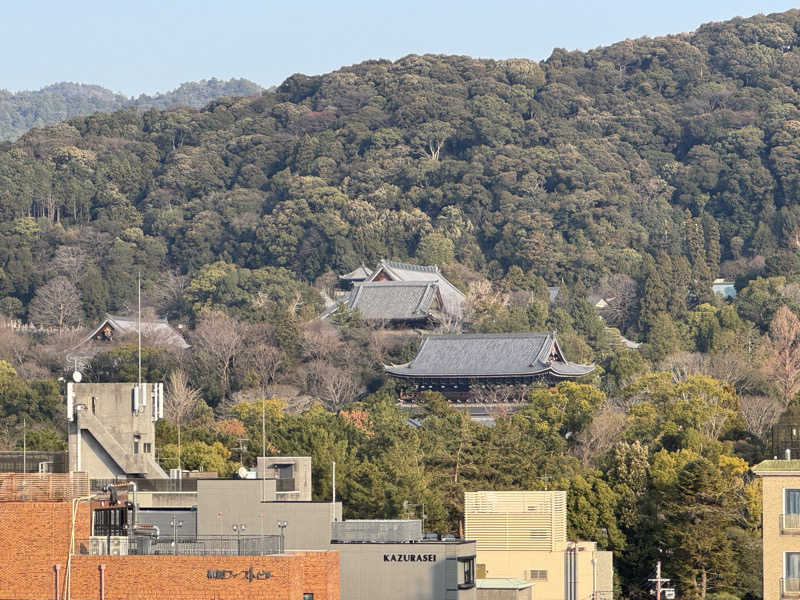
(150, 46)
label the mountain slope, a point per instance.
(22, 111)
(681, 149)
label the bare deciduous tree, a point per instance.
(620, 292)
(180, 400)
(783, 360)
(759, 413)
(15, 349)
(56, 304)
(218, 339)
(166, 296)
(321, 340)
(265, 361)
(69, 261)
(601, 434)
(734, 368)
(333, 386)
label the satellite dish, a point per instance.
(76, 376)
(242, 472)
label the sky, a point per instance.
(152, 46)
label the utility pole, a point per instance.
(241, 448)
(658, 581)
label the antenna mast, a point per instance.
(139, 328)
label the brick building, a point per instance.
(37, 525)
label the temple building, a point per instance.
(452, 297)
(348, 280)
(456, 363)
(115, 330)
(399, 303)
(401, 295)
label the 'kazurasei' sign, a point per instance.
(409, 558)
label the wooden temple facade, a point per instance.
(457, 365)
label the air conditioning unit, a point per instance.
(99, 544)
(119, 546)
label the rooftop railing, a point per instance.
(207, 545)
(790, 587)
(150, 485)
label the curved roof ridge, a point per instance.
(410, 267)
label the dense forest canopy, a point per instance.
(576, 167)
(22, 111)
(636, 173)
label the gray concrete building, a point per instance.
(392, 560)
(111, 429)
(292, 475)
(223, 503)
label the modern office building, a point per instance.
(523, 535)
(111, 429)
(780, 527)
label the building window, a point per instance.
(791, 509)
(792, 567)
(148, 448)
(466, 572)
(135, 447)
(538, 575)
(308, 596)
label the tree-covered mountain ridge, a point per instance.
(24, 110)
(657, 159)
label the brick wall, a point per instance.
(34, 536)
(186, 577)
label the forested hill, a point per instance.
(22, 111)
(654, 158)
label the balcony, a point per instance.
(790, 524)
(790, 587)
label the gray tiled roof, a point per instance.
(393, 300)
(489, 355)
(359, 274)
(452, 297)
(155, 331)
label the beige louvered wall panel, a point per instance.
(516, 520)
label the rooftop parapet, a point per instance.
(16, 487)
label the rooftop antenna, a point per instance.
(139, 328)
(333, 496)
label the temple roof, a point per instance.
(489, 355)
(452, 297)
(156, 331)
(394, 300)
(360, 274)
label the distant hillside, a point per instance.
(55, 103)
(667, 161)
